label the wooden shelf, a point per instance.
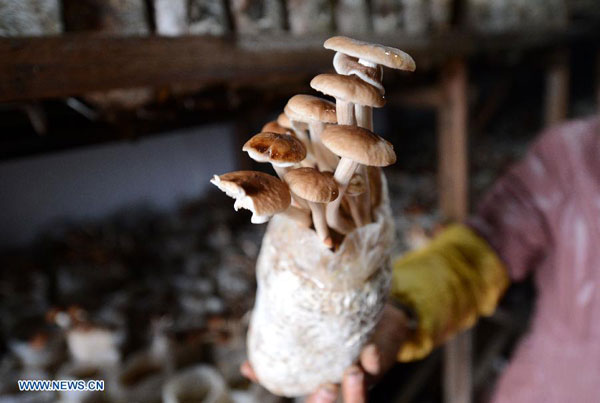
(73, 64)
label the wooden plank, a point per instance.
(452, 132)
(458, 369)
(73, 64)
(557, 88)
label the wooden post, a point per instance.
(452, 154)
(557, 88)
(452, 129)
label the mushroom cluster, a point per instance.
(325, 154)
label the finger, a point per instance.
(247, 370)
(353, 386)
(370, 359)
(325, 394)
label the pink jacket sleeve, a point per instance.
(511, 215)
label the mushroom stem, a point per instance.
(343, 174)
(301, 216)
(300, 131)
(318, 216)
(310, 161)
(344, 112)
(326, 160)
(256, 218)
(355, 211)
(279, 170)
(360, 206)
(364, 116)
(364, 119)
(367, 63)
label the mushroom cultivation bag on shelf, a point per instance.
(316, 308)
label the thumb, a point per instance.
(370, 359)
(353, 386)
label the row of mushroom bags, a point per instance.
(166, 370)
(210, 17)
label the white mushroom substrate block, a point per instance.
(316, 308)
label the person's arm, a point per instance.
(447, 285)
(444, 288)
(436, 291)
(464, 271)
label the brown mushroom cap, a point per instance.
(374, 53)
(275, 127)
(349, 89)
(283, 150)
(297, 122)
(359, 145)
(348, 65)
(258, 192)
(308, 108)
(312, 185)
(284, 121)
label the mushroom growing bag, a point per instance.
(315, 308)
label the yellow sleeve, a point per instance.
(447, 285)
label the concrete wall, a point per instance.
(92, 182)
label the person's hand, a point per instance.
(376, 358)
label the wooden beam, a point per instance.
(73, 64)
(452, 132)
(557, 88)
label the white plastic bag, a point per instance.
(315, 308)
